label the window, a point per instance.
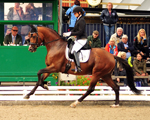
(27, 11)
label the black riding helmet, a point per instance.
(78, 9)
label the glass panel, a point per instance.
(23, 31)
(27, 11)
(48, 11)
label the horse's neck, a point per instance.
(58, 46)
(53, 42)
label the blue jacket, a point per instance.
(73, 18)
(109, 19)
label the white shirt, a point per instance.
(13, 37)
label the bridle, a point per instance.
(36, 45)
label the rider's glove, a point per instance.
(66, 34)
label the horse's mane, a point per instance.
(54, 31)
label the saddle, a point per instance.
(83, 53)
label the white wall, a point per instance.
(145, 4)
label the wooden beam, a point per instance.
(125, 4)
(84, 2)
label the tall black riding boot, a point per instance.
(76, 60)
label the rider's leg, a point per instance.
(76, 47)
(77, 62)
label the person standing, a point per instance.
(15, 13)
(109, 18)
(70, 13)
(93, 40)
(31, 12)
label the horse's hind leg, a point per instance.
(114, 86)
(89, 90)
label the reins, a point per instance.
(37, 45)
(52, 41)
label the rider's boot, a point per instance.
(76, 60)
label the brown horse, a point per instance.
(100, 64)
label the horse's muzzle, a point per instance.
(31, 49)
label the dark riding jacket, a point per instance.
(79, 29)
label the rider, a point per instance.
(79, 32)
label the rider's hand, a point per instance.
(66, 34)
(118, 80)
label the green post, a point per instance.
(1, 34)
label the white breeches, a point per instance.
(78, 44)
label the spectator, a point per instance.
(15, 13)
(8, 32)
(119, 70)
(93, 40)
(140, 44)
(118, 35)
(71, 14)
(125, 46)
(139, 66)
(27, 41)
(31, 12)
(111, 47)
(109, 18)
(13, 37)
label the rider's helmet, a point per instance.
(78, 9)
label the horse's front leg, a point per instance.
(45, 72)
(44, 76)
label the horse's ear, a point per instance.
(33, 28)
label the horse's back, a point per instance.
(103, 57)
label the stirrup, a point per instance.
(79, 69)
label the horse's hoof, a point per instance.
(46, 87)
(114, 106)
(74, 104)
(26, 97)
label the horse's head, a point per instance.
(34, 39)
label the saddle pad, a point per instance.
(83, 55)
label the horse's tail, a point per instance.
(129, 73)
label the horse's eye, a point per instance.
(34, 37)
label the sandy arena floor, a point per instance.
(81, 112)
